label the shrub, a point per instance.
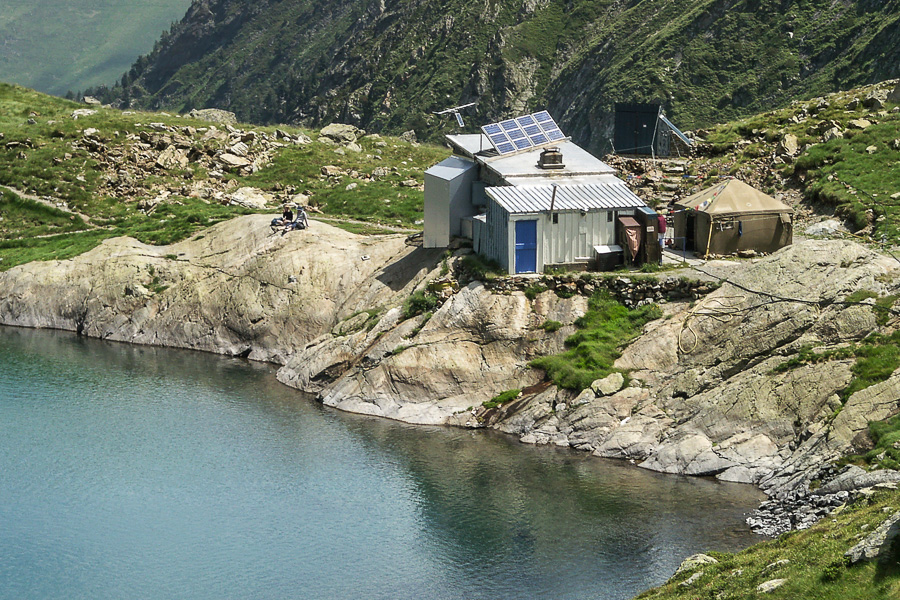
(551, 326)
(481, 269)
(532, 291)
(419, 302)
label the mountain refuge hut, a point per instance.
(529, 198)
(732, 216)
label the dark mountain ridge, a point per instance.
(389, 65)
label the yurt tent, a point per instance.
(733, 216)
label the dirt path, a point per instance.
(46, 201)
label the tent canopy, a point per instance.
(733, 197)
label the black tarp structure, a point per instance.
(644, 130)
(635, 127)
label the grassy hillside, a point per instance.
(65, 187)
(389, 66)
(811, 562)
(55, 46)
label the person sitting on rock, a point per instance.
(287, 215)
(301, 222)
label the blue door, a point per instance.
(526, 246)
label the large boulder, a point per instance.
(894, 96)
(235, 290)
(172, 158)
(715, 399)
(475, 346)
(250, 197)
(340, 133)
(214, 115)
(878, 544)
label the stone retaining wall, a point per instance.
(630, 291)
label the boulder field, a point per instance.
(703, 396)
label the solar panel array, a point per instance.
(524, 132)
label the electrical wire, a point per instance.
(725, 309)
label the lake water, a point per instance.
(136, 472)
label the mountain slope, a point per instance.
(55, 46)
(389, 65)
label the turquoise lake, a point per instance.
(139, 472)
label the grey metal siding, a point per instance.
(437, 212)
(495, 240)
(461, 200)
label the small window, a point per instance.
(609, 216)
(555, 218)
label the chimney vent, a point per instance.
(551, 158)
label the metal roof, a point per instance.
(469, 144)
(450, 168)
(578, 161)
(613, 195)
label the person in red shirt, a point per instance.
(661, 233)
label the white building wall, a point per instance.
(574, 235)
(448, 200)
(437, 212)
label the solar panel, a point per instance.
(555, 134)
(525, 121)
(522, 143)
(498, 138)
(521, 133)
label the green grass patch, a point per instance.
(877, 357)
(502, 398)
(532, 291)
(816, 567)
(383, 200)
(21, 251)
(551, 326)
(604, 329)
(24, 218)
(886, 451)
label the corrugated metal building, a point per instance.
(551, 229)
(547, 205)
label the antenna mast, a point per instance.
(455, 112)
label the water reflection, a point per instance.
(139, 471)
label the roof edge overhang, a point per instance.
(748, 213)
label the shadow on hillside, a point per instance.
(397, 275)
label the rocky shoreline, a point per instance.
(706, 393)
(801, 508)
